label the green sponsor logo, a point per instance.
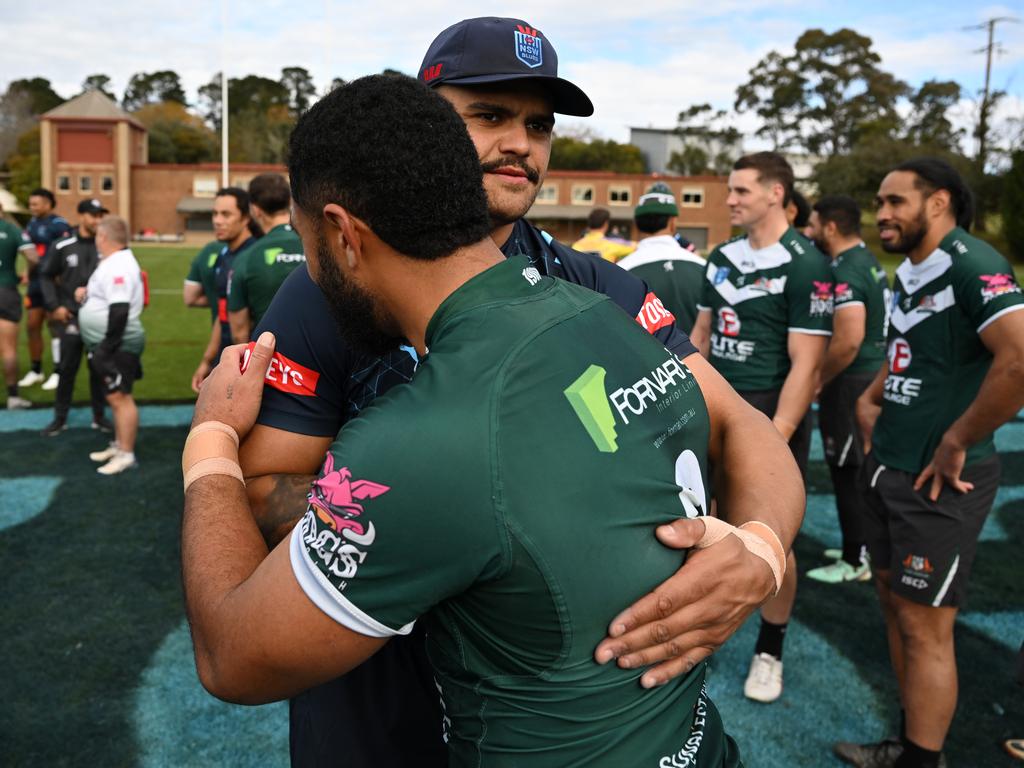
(212, 260)
(587, 397)
(270, 255)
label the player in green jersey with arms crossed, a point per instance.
(764, 320)
(505, 494)
(854, 354)
(10, 310)
(256, 275)
(955, 373)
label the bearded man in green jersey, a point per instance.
(764, 320)
(467, 496)
(955, 373)
(854, 354)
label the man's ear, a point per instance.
(939, 202)
(345, 231)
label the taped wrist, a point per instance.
(759, 540)
(210, 449)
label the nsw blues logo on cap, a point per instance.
(529, 48)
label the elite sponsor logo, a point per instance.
(529, 48)
(821, 299)
(286, 375)
(900, 389)
(589, 399)
(997, 285)
(728, 322)
(653, 315)
(334, 501)
(278, 256)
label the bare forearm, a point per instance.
(837, 360)
(795, 397)
(278, 503)
(700, 335)
(999, 399)
(212, 344)
(762, 481)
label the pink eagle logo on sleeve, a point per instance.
(997, 285)
(334, 497)
(821, 290)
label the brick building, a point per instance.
(90, 147)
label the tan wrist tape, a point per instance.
(211, 441)
(767, 533)
(215, 465)
(756, 543)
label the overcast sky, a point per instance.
(641, 63)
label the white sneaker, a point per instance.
(764, 682)
(31, 379)
(51, 383)
(106, 454)
(119, 463)
(15, 403)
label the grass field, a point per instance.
(97, 666)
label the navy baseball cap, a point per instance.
(93, 206)
(494, 50)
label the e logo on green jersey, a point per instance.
(588, 398)
(270, 255)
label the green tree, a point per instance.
(928, 122)
(20, 106)
(23, 164)
(152, 88)
(775, 93)
(176, 135)
(301, 90)
(99, 83)
(692, 161)
(568, 153)
(711, 142)
(1013, 206)
(37, 90)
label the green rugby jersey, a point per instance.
(202, 271)
(259, 270)
(861, 281)
(936, 358)
(675, 274)
(509, 494)
(756, 297)
(10, 243)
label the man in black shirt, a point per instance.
(67, 266)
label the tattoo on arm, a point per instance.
(278, 503)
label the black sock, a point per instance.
(770, 639)
(917, 757)
(37, 366)
(12, 390)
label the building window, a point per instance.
(204, 186)
(63, 183)
(107, 184)
(582, 194)
(548, 194)
(619, 195)
(692, 197)
(85, 184)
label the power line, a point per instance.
(993, 46)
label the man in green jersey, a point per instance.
(256, 276)
(955, 373)
(467, 496)
(856, 351)
(765, 317)
(10, 310)
(207, 282)
(674, 273)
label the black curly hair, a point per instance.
(934, 174)
(396, 155)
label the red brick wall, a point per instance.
(85, 143)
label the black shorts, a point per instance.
(34, 295)
(927, 546)
(117, 370)
(10, 304)
(766, 402)
(837, 419)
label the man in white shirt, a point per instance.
(113, 334)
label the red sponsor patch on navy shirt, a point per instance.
(287, 375)
(653, 315)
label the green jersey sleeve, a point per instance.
(383, 540)
(850, 288)
(809, 298)
(238, 293)
(705, 297)
(195, 274)
(984, 284)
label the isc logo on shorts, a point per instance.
(287, 375)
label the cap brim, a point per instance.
(566, 98)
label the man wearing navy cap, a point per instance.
(500, 75)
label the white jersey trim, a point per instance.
(747, 260)
(734, 295)
(66, 241)
(941, 301)
(810, 331)
(999, 314)
(325, 597)
(656, 249)
(915, 276)
(846, 304)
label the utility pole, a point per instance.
(986, 105)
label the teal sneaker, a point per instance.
(839, 572)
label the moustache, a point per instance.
(532, 174)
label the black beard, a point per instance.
(909, 239)
(352, 308)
